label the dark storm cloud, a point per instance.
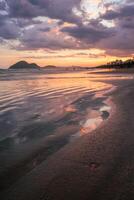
(2, 19)
(57, 9)
(125, 11)
(123, 18)
(92, 32)
(110, 15)
(2, 5)
(22, 9)
(8, 29)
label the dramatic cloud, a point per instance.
(123, 19)
(68, 24)
(57, 9)
(2, 5)
(8, 30)
(44, 38)
(91, 33)
(121, 12)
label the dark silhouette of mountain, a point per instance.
(24, 65)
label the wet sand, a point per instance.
(97, 166)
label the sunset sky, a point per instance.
(66, 32)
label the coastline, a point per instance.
(98, 165)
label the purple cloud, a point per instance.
(9, 30)
(27, 21)
(121, 12)
(57, 9)
(91, 33)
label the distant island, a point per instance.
(71, 68)
(49, 67)
(24, 65)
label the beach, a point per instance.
(66, 100)
(97, 166)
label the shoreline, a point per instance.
(97, 113)
(97, 166)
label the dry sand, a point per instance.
(97, 166)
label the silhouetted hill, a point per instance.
(24, 65)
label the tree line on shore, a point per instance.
(119, 64)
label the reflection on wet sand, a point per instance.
(39, 114)
(90, 125)
(94, 119)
